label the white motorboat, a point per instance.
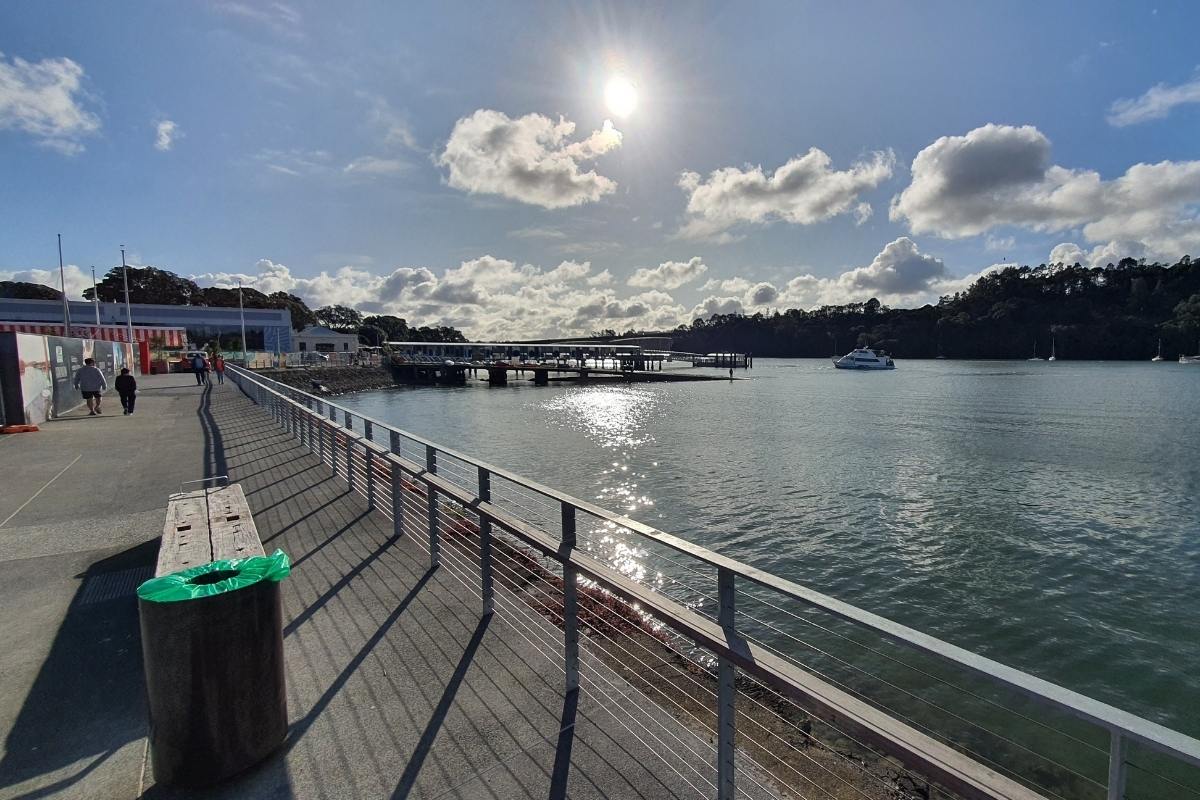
(1189, 359)
(864, 358)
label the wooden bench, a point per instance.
(211, 524)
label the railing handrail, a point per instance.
(1117, 721)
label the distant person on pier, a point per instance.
(731, 373)
(219, 368)
(90, 381)
(127, 388)
(200, 367)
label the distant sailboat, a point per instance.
(1158, 357)
(1053, 357)
(1035, 355)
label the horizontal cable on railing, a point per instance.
(908, 693)
(931, 676)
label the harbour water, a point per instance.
(1044, 514)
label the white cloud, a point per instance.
(1101, 255)
(281, 18)
(1067, 253)
(528, 158)
(1000, 175)
(295, 162)
(486, 297)
(717, 305)
(999, 243)
(669, 274)
(1157, 102)
(374, 167)
(537, 233)
(77, 279)
(393, 125)
(900, 275)
(165, 133)
(727, 285)
(803, 191)
(45, 99)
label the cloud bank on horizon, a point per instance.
(538, 217)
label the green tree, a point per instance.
(20, 290)
(146, 285)
(339, 318)
(302, 315)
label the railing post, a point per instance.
(1117, 751)
(349, 421)
(367, 429)
(369, 466)
(570, 601)
(726, 690)
(333, 447)
(350, 460)
(435, 554)
(485, 544)
(397, 486)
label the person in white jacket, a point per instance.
(91, 382)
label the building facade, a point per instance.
(267, 329)
(317, 339)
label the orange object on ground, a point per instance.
(19, 429)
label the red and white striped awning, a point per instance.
(166, 337)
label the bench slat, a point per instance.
(206, 525)
(185, 541)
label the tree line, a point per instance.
(160, 286)
(1120, 311)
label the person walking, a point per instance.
(127, 388)
(90, 381)
(199, 367)
(219, 368)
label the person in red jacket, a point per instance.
(219, 367)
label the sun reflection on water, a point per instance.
(611, 416)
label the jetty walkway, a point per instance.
(396, 687)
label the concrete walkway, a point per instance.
(395, 686)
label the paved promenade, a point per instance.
(395, 687)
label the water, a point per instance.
(1046, 515)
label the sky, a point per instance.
(524, 170)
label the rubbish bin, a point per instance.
(212, 647)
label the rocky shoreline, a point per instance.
(333, 380)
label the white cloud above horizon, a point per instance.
(669, 274)
(529, 159)
(165, 133)
(46, 100)
(1157, 102)
(803, 191)
(1001, 175)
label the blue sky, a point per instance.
(452, 163)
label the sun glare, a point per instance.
(620, 95)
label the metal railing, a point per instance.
(831, 700)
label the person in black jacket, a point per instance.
(127, 388)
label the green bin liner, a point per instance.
(216, 577)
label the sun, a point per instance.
(620, 95)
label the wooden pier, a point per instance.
(453, 364)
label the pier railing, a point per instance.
(828, 700)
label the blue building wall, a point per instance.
(275, 324)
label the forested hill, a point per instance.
(1118, 312)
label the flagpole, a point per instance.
(96, 297)
(128, 312)
(62, 276)
(242, 312)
